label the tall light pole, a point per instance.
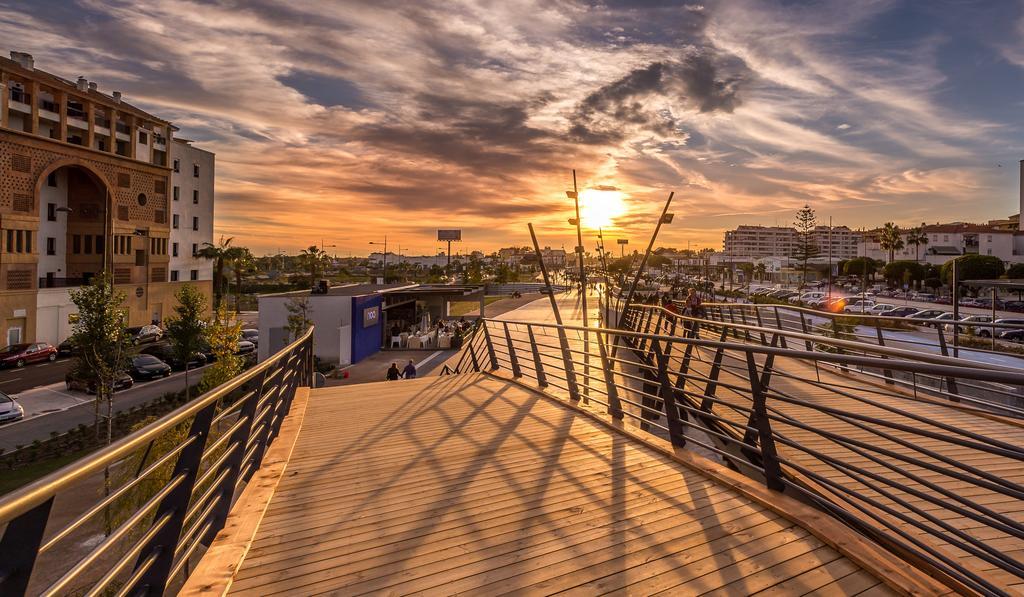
(575, 196)
(384, 273)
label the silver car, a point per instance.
(10, 410)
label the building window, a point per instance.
(195, 249)
(51, 179)
(88, 244)
(76, 243)
(141, 199)
(945, 238)
(174, 249)
(174, 275)
(99, 244)
(195, 170)
(174, 221)
(140, 257)
(51, 245)
(177, 193)
(177, 165)
(989, 252)
(195, 222)
(143, 138)
(195, 197)
(193, 274)
(51, 212)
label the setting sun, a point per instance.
(600, 207)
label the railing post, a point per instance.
(20, 546)
(234, 463)
(570, 371)
(707, 403)
(759, 419)
(472, 355)
(881, 342)
(950, 380)
(760, 324)
(516, 372)
(684, 366)
(778, 325)
(676, 433)
(490, 348)
(614, 404)
(175, 504)
(542, 380)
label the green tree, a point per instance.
(890, 239)
(806, 249)
(186, 329)
(314, 261)
(299, 311)
(896, 272)
(1015, 271)
(222, 337)
(242, 264)
(221, 254)
(917, 237)
(99, 332)
(973, 267)
(761, 270)
(860, 266)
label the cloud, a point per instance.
(344, 119)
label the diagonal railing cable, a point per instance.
(186, 469)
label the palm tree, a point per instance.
(221, 254)
(242, 264)
(760, 270)
(890, 239)
(917, 237)
(314, 259)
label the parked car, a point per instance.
(245, 347)
(1002, 326)
(811, 296)
(147, 366)
(939, 320)
(923, 296)
(1017, 306)
(972, 319)
(251, 335)
(19, 355)
(905, 311)
(66, 348)
(925, 314)
(165, 353)
(858, 305)
(73, 382)
(1011, 336)
(145, 333)
(10, 410)
(880, 308)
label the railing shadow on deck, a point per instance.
(852, 428)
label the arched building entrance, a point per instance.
(74, 224)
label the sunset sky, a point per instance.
(347, 120)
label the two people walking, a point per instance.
(409, 372)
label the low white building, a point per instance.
(947, 241)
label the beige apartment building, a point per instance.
(85, 179)
(754, 242)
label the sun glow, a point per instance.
(599, 208)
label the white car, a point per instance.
(975, 319)
(10, 410)
(811, 296)
(880, 308)
(1015, 322)
(859, 306)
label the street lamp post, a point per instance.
(384, 266)
(575, 196)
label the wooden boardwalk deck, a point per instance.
(472, 484)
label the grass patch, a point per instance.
(20, 477)
(464, 308)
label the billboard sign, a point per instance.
(443, 235)
(371, 315)
(622, 241)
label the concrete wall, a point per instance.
(328, 314)
(57, 230)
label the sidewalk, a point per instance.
(374, 368)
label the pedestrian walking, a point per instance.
(410, 371)
(393, 372)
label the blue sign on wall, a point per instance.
(366, 337)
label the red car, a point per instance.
(18, 355)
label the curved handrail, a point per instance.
(21, 500)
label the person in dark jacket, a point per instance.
(410, 371)
(393, 372)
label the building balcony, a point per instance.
(51, 282)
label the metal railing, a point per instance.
(133, 517)
(933, 480)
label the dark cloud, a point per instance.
(603, 115)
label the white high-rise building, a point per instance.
(192, 175)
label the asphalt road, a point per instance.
(51, 408)
(13, 381)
